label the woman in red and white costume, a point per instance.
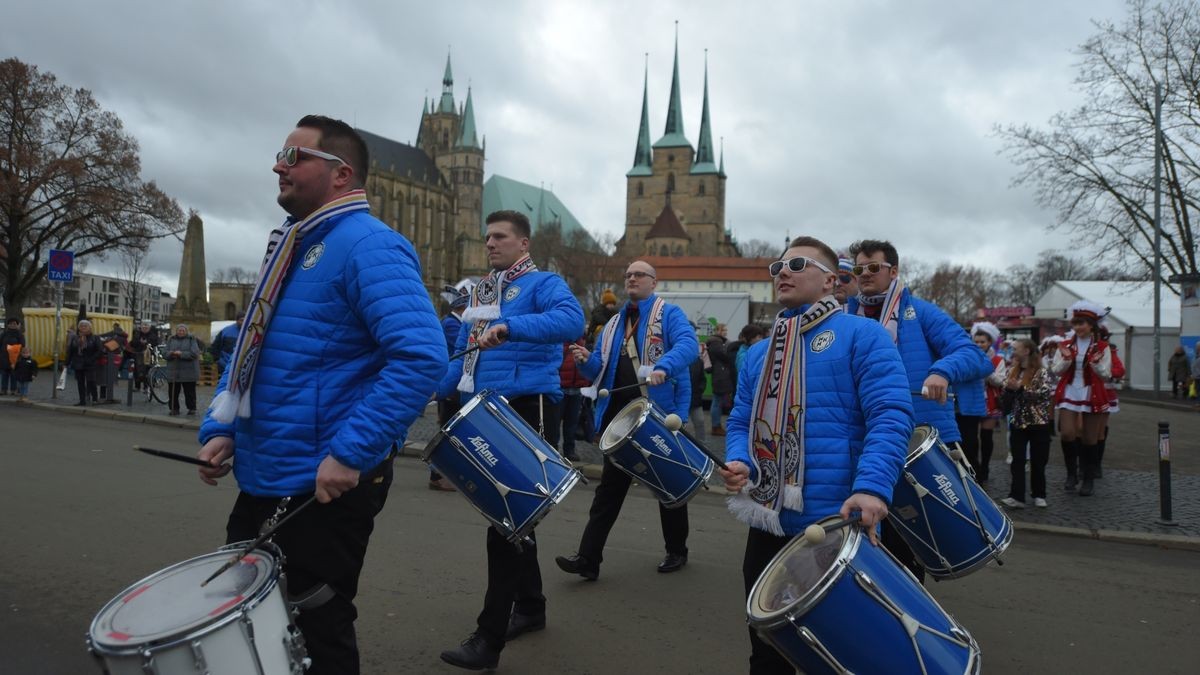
(1084, 363)
(1110, 384)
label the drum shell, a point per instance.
(487, 444)
(224, 642)
(840, 609)
(944, 522)
(672, 466)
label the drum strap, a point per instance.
(313, 598)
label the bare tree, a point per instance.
(961, 290)
(69, 179)
(234, 275)
(1095, 165)
(133, 275)
(585, 263)
(757, 248)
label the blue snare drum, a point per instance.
(953, 527)
(501, 465)
(638, 442)
(815, 604)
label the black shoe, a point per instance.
(1087, 488)
(1070, 483)
(672, 563)
(473, 654)
(1099, 472)
(578, 564)
(81, 403)
(520, 624)
(573, 457)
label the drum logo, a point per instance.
(484, 450)
(821, 342)
(661, 444)
(947, 488)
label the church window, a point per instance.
(641, 189)
(670, 182)
(664, 251)
(230, 311)
(701, 188)
(670, 159)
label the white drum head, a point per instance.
(798, 576)
(171, 603)
(923, 438)
(624, 424)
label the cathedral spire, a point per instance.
(721, 169)
(447, 103)
(421, 126)
(673, 136)
(467, 138)
(704, 149)
(641, 153)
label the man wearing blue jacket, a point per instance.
(937, 353)
(302, 409)
(518, 317)
(647, 341)
(821, 422)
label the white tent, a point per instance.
(1131, 320)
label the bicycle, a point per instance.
(156, 377)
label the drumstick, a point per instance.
(925, 392)
(166, 454)
(258, 542)
(674, 423)
(815, 533)
(464, 352)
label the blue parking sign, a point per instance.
(61, 266)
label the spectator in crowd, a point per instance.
(1179, 370)
(24, 372)
(722, 378)
(183, 368)
(82, 351)
(1196, 372)
(12, 340)
(602, 313)
(112, 346)
(224, 343)
(1030, 388)
(751, 333)
(572, 381)
(141, 345)
(699, 382)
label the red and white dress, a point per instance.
(1083, 366)
(1110, 383)
(994, 385)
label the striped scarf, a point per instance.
(281, 249)
(777, 423)
(652, 344)
(889, 315)
(485, 308)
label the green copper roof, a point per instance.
(673, 136)
(447, 104)
(704, 150)
(467, 138)
(642, 153)
(542, 206)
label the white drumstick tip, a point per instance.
(603, 393)
(925, 391)
(814, 534)
(673, 422)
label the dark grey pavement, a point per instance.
(84, 517)
(1125, 506)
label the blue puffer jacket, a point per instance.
(971, 398)
(857, 421)
(931, 342)
(541, 314)
(351, 356)
(681, 348)
(451, 325)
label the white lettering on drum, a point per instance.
(661, 444)
(484, 450)
(947, 488)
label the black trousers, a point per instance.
(82, 382)
(324, 545)
(447, 408)
(514, 576)
(760, 548)
(1036, 440)
(189, 395)
(968, 426)
(606, 506)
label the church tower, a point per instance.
(672, 175)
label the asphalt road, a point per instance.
(84, 517)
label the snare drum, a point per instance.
(501, 465)
(815, 604)
(638, 442)
(953, 527)
(167, 624)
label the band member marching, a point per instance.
(1083, 362)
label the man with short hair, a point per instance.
(324, 423)
(519, 317)
(820, 425)
(652, 342)
(937, 352)
(222, 345)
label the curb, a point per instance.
(1172, 541)
(1161, 405)
(106, 412)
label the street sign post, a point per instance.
(60, 269)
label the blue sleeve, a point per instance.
(684, 346)
(591, 367)
(882, 387)
(737, 425)
(384, 288)
(558, 317)
(210, 428)
(958, 359)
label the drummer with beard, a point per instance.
(651, 342)
(518, 317)
(820, 425)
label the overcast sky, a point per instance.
(842, 120)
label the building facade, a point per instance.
(675, 193)
(432, 192)
(110, 295)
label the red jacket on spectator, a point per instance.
(569, 374)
